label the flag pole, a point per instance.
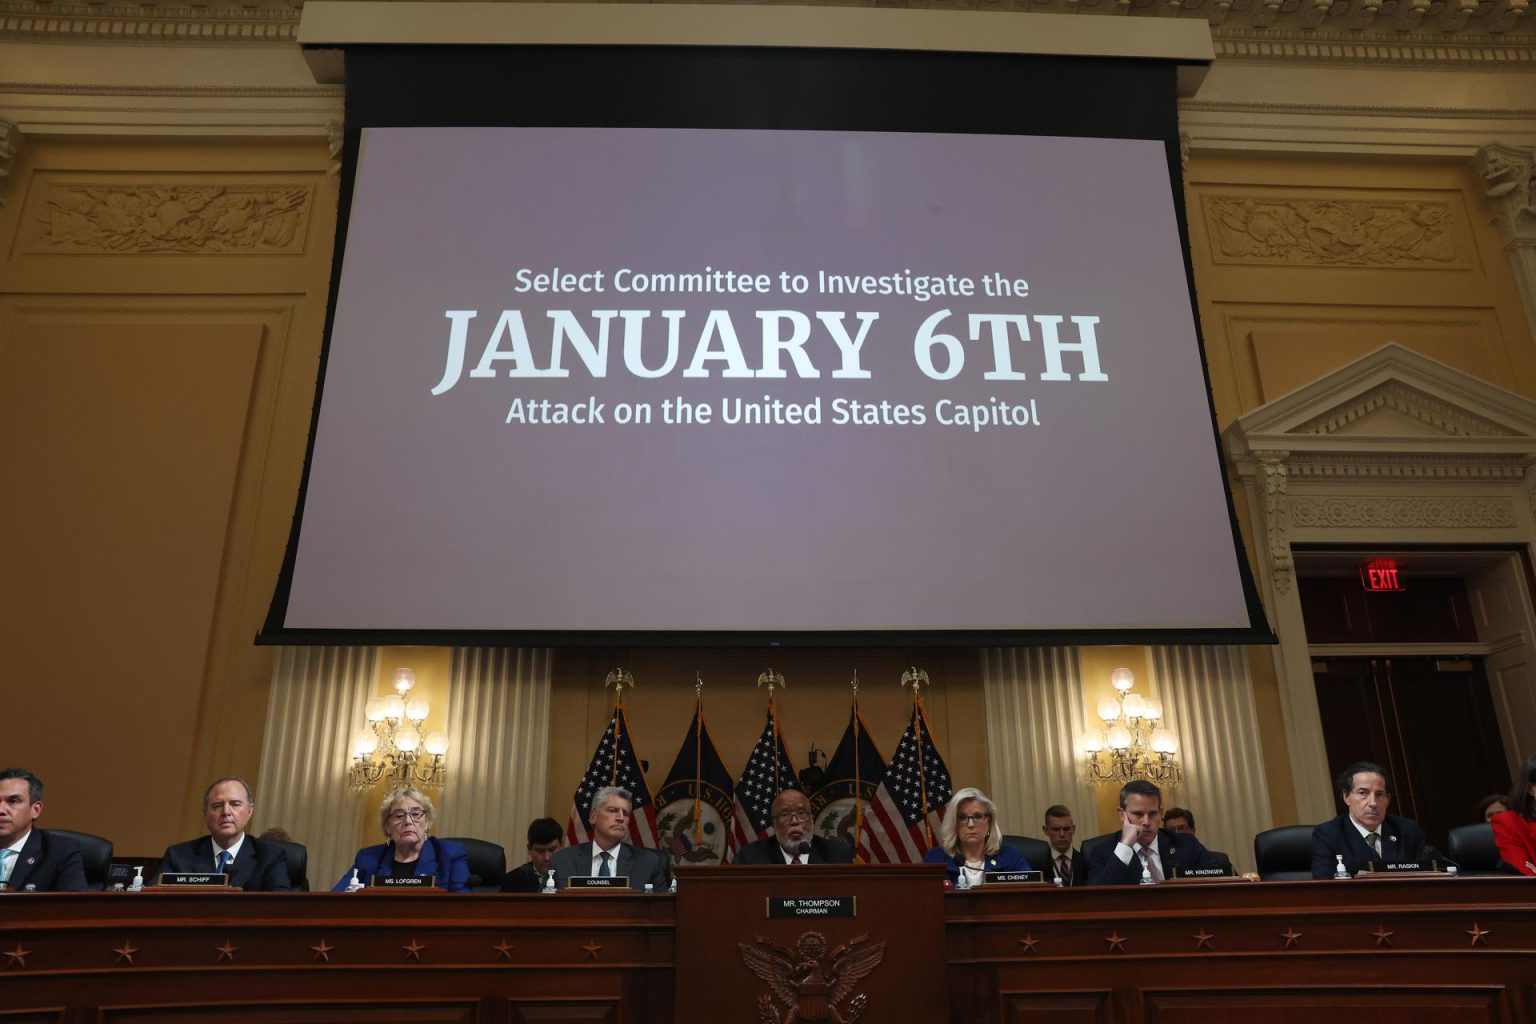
(917, 677)
(773, 679)
(858, 786)
(698, 757)
(618, 679)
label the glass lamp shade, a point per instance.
(1163, 742)
(1119, 738)
(407, 740)
(364, 742)
(416, 710)
(1135, 705)
(375, 712)
(436, 743)
(1122, 679)
(394, 708)
(1153, 710)
(1092, 745)
(404, 680)
(1109, 709)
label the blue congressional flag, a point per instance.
(614, 764)
(853, 775)
(694, 805)
(768, 773)
(904, 816)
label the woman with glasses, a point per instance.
(970, 841)
(411, 851)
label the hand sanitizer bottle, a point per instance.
(962, 880)
(353, 884)
(137, 885)
(1339, 870)
(672, 889)
(1146, 875)
(549, 883)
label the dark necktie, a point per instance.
(222, 862)
(1064, 869)
(603, 871)
(1374, 842)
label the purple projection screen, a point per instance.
(637, 379)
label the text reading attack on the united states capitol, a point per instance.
(1021, 355)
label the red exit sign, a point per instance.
(1381, 575)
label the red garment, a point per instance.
(1515, 837)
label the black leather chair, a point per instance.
(1475, 853)
(1036, 851)
(1284, 854)
(487, 863)
(1092, 842)
(298, 862)
(95, 856)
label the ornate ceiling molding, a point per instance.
(1435, 32)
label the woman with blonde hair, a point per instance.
(970, 841)
(411, 851)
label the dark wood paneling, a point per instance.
(372, 1011)
(556, 1013)
(1057, 1007)
(1364, 1004)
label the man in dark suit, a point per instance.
(251, 864)
(543, 842)
(1145, 852)
(1181, 822)
(1067, 864)
(32, 860)
(793, 840)
(1366, 833)
(607, 854)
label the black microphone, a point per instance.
(804, 849)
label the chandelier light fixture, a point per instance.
(391, 747)
(1134, 745)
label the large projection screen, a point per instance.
(782, 377)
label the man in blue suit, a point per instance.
(32, 860)
(1366, 833)
(1143, 851)
(251, 864)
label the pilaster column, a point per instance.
(1509, 181)
(317, 701)
(1034, 702)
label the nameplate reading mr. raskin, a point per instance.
(405, 881)
(597, 882)
(813, 906)
(191, 878)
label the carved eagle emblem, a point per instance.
(808, 984)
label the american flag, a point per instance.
(896, 831)
(614, 764)
(768, 773)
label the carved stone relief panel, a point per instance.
(1407, 512)
(159, 218)
(1332, 231)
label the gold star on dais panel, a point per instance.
(1292, 937)
(1477, 934)
(323, 951)
(18, 956)
(592, 949)
(413, 951)
(1203, 939)
(1029, 942)
(1383, 937)
(503, 950)
(1116, 941)
(126, 951)
(226, 952)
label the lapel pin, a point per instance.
(31, 860)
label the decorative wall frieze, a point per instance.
(335, 140)
(142, 219)
(1318, 467)
(1408, 402)
(1403, 513)
(1509, 182)
(1293, 231)
(10, 143)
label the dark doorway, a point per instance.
(1428, 719)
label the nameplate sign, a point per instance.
(191, 878)
(813, 906)
(1202, 873)
(597, 882)
(1415, 866)
(404, 881)
(1012, 877)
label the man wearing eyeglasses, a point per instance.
(251, 864)
(794, 840)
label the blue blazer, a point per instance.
(1175, 851)
(1005, 859)
(442, 858)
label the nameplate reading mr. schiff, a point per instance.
(597, 882)
(813, 906)
(191, 878)
(404, 881)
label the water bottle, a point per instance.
(1339, 870)
(549, 883)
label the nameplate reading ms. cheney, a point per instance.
(814, 906)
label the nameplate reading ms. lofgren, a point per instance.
(813, 906)
(405, 881)
(191, 878)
